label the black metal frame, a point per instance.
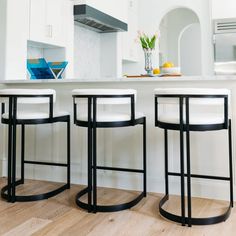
(92, 124)
(8, 192)
(187, 127)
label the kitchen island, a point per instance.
(113, 149)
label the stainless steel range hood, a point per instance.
(224, 39)
(96, 20)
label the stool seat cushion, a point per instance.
(35, 115)
(36, 100)
(194, 119)
(111, 117)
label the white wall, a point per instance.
(190, 50)
(87, 52)
(223, 9)
(150, 16)
(17, 31)
(172, 25)
(96, 56)
(3, 6)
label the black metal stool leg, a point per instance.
(189, 178)
(182, 162)
(22, 154)
(144, 160)
(9, 174)
(166, 163)
(94, 170)
(14, 165)
(68, 153)
(189, 197)
(90, 169)
(14, 153)
(230, 165)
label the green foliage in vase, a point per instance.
(146, 41)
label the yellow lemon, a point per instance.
(156, 71)
(168, 65)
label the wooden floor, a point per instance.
(60, 216)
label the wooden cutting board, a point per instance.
(146, 76)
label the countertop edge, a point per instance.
(123, 79)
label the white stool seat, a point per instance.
(21, 115)
(194, 119)
(36, 100)
(111, 117)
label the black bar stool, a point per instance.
(15, 116)
(94, 119)
(185, 122)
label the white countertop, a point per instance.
(124, 79)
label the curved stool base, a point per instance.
(36, 197)
(192, 221)
(108, 208)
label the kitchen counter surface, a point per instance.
(124, 79)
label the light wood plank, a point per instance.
(28, 228)
(63, 217)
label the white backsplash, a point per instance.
(34, 52)
(86, 53)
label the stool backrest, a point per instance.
(28, 96)
(15, 97)
(104, 96)
(192, 100)
(191, 92)
(91, 98)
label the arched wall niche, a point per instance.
(180, 40)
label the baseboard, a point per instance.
(3, 167)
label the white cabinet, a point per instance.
(14, 30)
(223, 9)
(129, 45)
(37, 20)
(43, 22)
(47, 21)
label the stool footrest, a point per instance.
(119, 169)
(107, 208)
(36, 197)
(201, 176)
(193, 221)
(45, 163)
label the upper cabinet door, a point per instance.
(55, 16)
(37, 20)
(47, 19)
(223, 9)
(129, 46)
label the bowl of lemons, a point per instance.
(169, 68)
